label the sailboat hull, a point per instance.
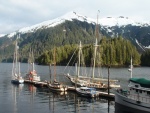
(16, 81)
(56, 87)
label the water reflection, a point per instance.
(28, 98)
(71, 102)
(16, 90)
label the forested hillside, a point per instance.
(66, 36)
(116, 52)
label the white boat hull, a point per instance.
(128, 102)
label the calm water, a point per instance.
(29, 99)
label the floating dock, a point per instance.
(101, 93)
(69, 88)
(36, 83)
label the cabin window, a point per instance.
(148, 93)
(136, 90)
(140, 91)
(136, 85)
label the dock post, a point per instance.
(108, 78)
(50, 72)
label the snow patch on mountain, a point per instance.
(2, 35)
(148, 47)
(119, 21)
(11, 34)
(139, 45)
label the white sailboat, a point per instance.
(16, 75)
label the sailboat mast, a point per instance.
(54, 64)
(18, 69)
(131, 67)
(16, 59)
(95, 49)
(32, 62)
(79, 59)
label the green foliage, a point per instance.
(117, 52)
(145, 58)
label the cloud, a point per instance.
(16, 14)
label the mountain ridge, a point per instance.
(104, 22)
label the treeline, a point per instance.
(116, 52)
(145, 58)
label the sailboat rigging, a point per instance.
(16, 75)
(55, 85)
(31, 75)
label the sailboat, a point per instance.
(16, 75)
(92, 82)
(55, 85)
(31, 75)
(87, 81)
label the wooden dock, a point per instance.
(105, 94)
(69, 88)
(101, 94)
(36, 83)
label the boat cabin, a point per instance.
(139, 89)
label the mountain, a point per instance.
(70, 29)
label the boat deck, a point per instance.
(101, 94)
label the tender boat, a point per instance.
(88, 92)
(137, 96)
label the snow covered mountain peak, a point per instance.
(51, 23)
(107, 22)
(119, 21)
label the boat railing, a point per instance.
(136, 97)
(139, 98)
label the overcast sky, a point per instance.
(16, 14)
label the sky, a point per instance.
(16, 14)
